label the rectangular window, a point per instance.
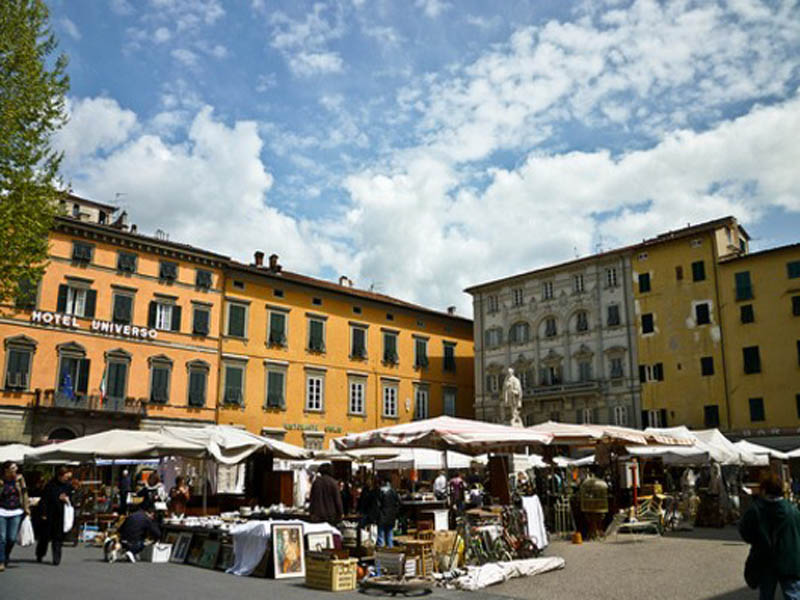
(357, 310)
(757, 409)
(702, 314)
(234, 385)
(796, 306)
(550, 327)
(390, 401)
(620, 415)
(679, 273)
(494, 303)
(449, 363)
(202, 279)
(584, 370)
(793, 269)
(73, 379)
(357, 392)
(613, 315)
(698, 271)
(644, 282)
(276, 389)
(198, 382)
(167, 271)
(159, 383)
(276, 336)
(518, 297)
(707, 366)
(711, 416)
(617, 370)
(656, 417)
(547, 290)
(237, 320)
(611, 277)
(449, 402)
(82, 252)
(658, 372)
(421, 403)
(277, 293)
(201, 320)
(116, 380)
(315, 385)
(239, 285)
(752, 360)
(582, 323)
(316, 335)
(122, 309)
(126, 262)
(358, 342)
(77, 301)
(164, 316)
(420, 353)
(744, 289)
(746, 313)
(18, 367)
(390, 356)
(578, 283)
(316, 301)
(647, 323)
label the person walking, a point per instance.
(14, 506)
(771, 525)
(326, 501)
(125, 488)
(57, 493)
(388, 509)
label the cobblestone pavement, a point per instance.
(706, 563)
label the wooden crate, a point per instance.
(331, 575)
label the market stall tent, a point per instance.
(231, 445)
(424, 459)
(706, 445)
(590, 434)
(762, 453)
(14, 452)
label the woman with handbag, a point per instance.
(56, 497)
(13, 507)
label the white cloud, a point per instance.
(70, 28)
(187, 14)
(304, 43)
(161, 35)
(96, 125)
(219, 51)
(185, 57)
(484, 22)
(121, 7)
(433, 8)
(306, 64)
(386, 36)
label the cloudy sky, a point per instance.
(422, 146)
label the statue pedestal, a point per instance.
(516, 421)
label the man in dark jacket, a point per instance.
(388, 509)
(135, 530)
(56, 495)
(772, 528)
(326, 501)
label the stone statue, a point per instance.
(512, 398)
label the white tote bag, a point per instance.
(25, 534)
(69, 516)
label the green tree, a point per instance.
(33, 83)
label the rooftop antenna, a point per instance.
(575, 250)
(374, 286)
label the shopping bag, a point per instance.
(25, 533)
(69, 517)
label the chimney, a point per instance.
(259, 258)
(343, 281)
(273, 263)
(451, 310)
(134, 229)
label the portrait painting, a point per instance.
(288, 551)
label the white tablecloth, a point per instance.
(251, 540)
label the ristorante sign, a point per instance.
(71, 322)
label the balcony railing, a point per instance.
(565, 389)
(51, 399)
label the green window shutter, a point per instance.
(197, 388)
(176, 318)
(275, 397)
(316, 336)
(236, 320)
(200, 321)
(116, 380)
(158, 392)
(359, 347)
(793, 269)
(151, 314)
(91, 303)
(63, 290)
(277, 329)
(744, 289)
(698, 271)
(233, 385)
(123, 306)
(82, 385)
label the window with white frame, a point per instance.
(611, 277)
(421, 403)
(587, 416)
(547, 290)
(518, 297)
(163, 316)
(655, 418)
(356, 404)
(76, 299)
(621, 415)
(449, 402)
(577, 283)
(390, 400)
(494, 303)
(315, 386)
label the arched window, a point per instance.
(581, 321)
(61, 434)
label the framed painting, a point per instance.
(196, 549)
(319, 541)
(181, 548)
(288, 552)
(226, 558)
(208, 559)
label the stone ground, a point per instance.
(706, 563)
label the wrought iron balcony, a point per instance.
(53, 400)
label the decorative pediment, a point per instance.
(119, 354)
(583, 352)
(21, 341)
(494, 367)
(198, 364)
(71, 348)
(552, 358)
(616, 350)
(159, 358)
(523, 363)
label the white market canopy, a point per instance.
(446, 433)
(423, 459)
(589, 434)
(227, 445)
(762, 453)
(706, 445)
(14, 452)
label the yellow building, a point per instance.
(676, 289)
(307, 360)
(760, 296)
(121, 332)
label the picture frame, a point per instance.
(226, 558)
(208, 558)
(319, 541)
(181, 548)
(288, 551)
(171, 537)
(196, 549)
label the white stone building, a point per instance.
(569, 333)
